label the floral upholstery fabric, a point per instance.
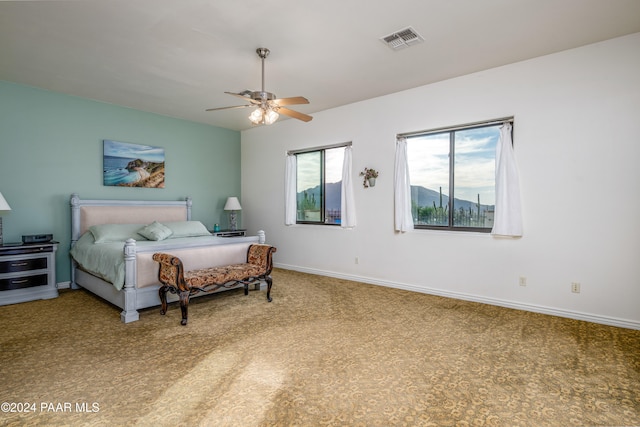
(260, 255)
(220, 275)
(171, 270)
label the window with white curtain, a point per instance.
(453, 176)
(319, 185)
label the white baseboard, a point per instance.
(63, 285)
(594, 318)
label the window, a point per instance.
(319, 186)
(452, 173)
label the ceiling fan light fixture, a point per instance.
(270, 117)
(256, 116)
(263, 115)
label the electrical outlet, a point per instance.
(357, 260)
(523, 281)
(575, 287)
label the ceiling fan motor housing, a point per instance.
(262, 96)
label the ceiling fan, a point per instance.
(268, 107)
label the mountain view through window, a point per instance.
(319, 186)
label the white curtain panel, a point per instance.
(290, 202)
(347, 200)
(402, 189)
(508, 213)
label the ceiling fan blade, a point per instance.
(294, 114)
(228, 108)
(246, 98)
(296, 100)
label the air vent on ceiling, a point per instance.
(402, 38)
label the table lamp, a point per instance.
(232, 205)
(4, 206)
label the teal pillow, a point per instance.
(109, 233)
(187, 229)
(155, 231)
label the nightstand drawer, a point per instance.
(23, 265)
(23, 282)
(27, 272)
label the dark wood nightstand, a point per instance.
(27, 272)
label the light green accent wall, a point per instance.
(51, 146)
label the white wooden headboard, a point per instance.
(85, 213)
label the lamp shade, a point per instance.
(4, 206)
(232, 204)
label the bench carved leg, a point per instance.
(269, 283)
(246, 288)
(184, 306)
(162, 292)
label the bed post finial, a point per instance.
(75, 218)
(189, 203)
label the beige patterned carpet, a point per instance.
(325, 352)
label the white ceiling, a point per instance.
(177, 57)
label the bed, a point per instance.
(109, 231)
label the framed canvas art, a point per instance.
(132, 165)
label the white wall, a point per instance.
(577, 122)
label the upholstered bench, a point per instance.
(174, 279)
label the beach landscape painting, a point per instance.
(132, 165)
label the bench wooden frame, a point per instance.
(185, 284)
